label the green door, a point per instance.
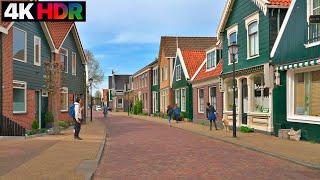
(44, 110)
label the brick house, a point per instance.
(26, 47)
(206, 85)
(117, 89)
(167, 55)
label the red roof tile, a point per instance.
(59, 31)
(193, 60)
(280, 2)
(204, 74)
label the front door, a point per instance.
(44, 108)
(244, 110)
(38, 108)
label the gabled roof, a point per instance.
(170, 44)
(262, 4)
(59, 32)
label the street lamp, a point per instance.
(90, 84)
(233, 50)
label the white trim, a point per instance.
(309, 45)
(67, 54)
(215, 62)
(199, 69)
(155, 79)
(35, 38)
(183, 65)
(283, 27)
(183, 108)
(66, 36)
(49, 37)
(198, 97)
(66, 91)
(209, 96)
(74, 62)
(178, 67)
(230, 30)
(25, 45)
(252, 18)
(25, 96)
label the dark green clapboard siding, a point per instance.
(291, 47)
(75, 84)
(241, 10)
(309, 131)
(28, 72)
(183, 83)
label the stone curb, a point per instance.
(299, 162)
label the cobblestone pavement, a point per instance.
(146, 150)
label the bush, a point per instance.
(35, 125)
(63, 124)
(137, 108)
(183, 114)
(245, 129)
(49, 117)
(32, 132)
(145, 114)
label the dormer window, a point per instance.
(178, 72)
(211, 60)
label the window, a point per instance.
(155, 76)
(19, 97)
(261, 95)
(120, 103)
(211, 60)
(164, 99)
(74, 63)
(201, 101)
(213, 96)
(155, 100)
(178, 97)
(64, 99)
(229, 94)
(165, 73)
(233, 40)
(178, 72)
(307, 96)
(314, 28)
(19, 46)
(37, 50)
(183, 100)
(253, 39)
(64, 59)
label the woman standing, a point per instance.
(211, 115)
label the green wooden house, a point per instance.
(296, 54)
(186, 64)
(254, 26)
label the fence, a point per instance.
(10, 128)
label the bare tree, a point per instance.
(94, 70)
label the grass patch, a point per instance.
(245, 129)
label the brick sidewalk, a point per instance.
(303, 153)
(61, 157)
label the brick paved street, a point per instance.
(146, 150)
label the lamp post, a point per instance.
(91, 100)
(233, 49)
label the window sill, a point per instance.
(64, 111)
(24, 61)
(211, 69)
(37, 65)
(304, 119)
(20, 113)
(309, 45)
(253, 57)
(232, 63)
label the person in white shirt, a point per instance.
(78, 118)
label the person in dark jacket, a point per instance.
(176, 112)
(211, 115)
(105, 111)
(169, 114)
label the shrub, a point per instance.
(145, 114)
(63, 124)
(49, 117)
(35, 125)
(137, 108)
(32, 132)
(245, 129)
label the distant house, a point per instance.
(26, 48)
(155, 87)
(296, 54)
(206, 85)
(118, 85)
(167, 55)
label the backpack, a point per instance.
(72, 112)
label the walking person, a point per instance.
(169, 114)
(105, 111)
(177, 112)
(77, 118)
(211, 115)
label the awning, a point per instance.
(301, 64)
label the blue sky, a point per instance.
(124, 35)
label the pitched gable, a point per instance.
(59, 31)
(193, 60)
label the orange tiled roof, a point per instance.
(193, 60)
(59, 31)
(204, 74)
(280, 2)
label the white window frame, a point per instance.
(25, 95)
(36, 38)
(199, 109)
(165, 71)
(255, 17)
(231, 30)
(155, 76)
(74, 63)
(212, 103)
(183, 105)
(118, 103)
(65, 90)
(25, 45)
(291, 116)
(178, 72)
(215, 60)
(66, 70)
